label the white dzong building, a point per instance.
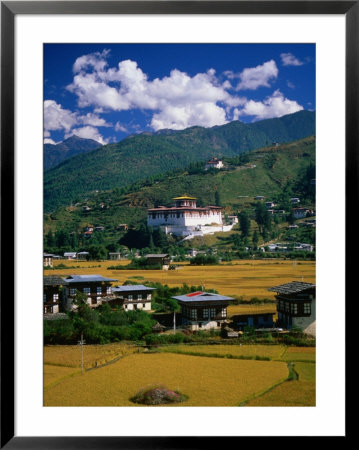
(186, 219)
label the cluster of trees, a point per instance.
(98, 326)
(104, 325)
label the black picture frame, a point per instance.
(9, 9)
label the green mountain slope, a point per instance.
(267, 173)
(74, 145)
(142, 156)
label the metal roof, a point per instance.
(292, 288)
(53, 280)
(86, 278)
(195, 297)
(158, 255)
(132, 287)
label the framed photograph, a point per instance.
(173, 175)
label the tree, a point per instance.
(173, 306)
(263, 219)
(244, 224)
(255, 239)
(97, 252)
(218, 198)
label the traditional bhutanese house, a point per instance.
(203, 310)
(55, 294)
(70, 255)
(300, 213)
(96, 287)
(233, 219)
(131, 297)
(48, 260)
(162, 259)
(254, 319)
(114, 256)
(122, 227)
(83, 256)
(296, 305)
(214, 163)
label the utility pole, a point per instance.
(81, 344)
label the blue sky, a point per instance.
(108, 91)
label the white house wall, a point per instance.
(185, 220)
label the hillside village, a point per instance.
(213, 212)
(281, 226)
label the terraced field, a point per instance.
(207, 381)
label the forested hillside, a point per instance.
(147, 156)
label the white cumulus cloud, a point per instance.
(274, 106)
(252, 78)
(57, 118)
(288, 59)
(88, 132)
(177, 101)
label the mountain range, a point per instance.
(54, 154)
(142, 156)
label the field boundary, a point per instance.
(292, 375)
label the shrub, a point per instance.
(158, 395)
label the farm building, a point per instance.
(114, 256)
(96, 287)
(48, 260)
(184, 218)
(70, 255)
(269, 205)
(83, 256)
(162, 259)
(203, 310)
(254, 319)
(214, 163)
(233, 219)
(300, 213)
(55, 294)
(296, 305)
(131, 297)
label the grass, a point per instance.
(244, 278)
(206, 381)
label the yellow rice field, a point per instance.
(53, 374)
(241, 278)
(206, 381)
(70, 355)
(299, 354)
(299, 392)
(269, 351)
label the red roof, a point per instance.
(193, 294)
